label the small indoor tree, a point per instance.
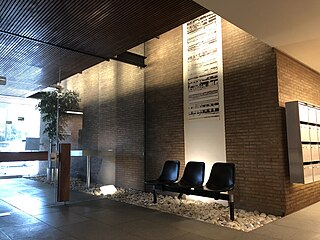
(53, 106)
(50, 103)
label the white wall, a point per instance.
(205, 137)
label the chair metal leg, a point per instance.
(154, 194)
(231, 206)
(180, 195)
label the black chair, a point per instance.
(222, 179)
(193, 176)
(169, 174)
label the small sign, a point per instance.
(8, 122)
(20, 118)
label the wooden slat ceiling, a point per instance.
(37, 37)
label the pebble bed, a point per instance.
(210, 212)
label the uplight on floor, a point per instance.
(108, 189)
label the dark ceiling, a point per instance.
(39, 37)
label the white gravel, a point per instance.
(210, 212)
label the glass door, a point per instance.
(22, 184)
(19, 131)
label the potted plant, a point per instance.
(53, 106)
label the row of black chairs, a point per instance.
(219, 186)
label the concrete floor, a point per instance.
(107, 219)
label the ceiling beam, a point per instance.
(131, 58)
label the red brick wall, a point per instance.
(164, 101)
(297, 82)
(254, 140)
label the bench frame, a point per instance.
(223, 193)
(228, 196)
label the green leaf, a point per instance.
(68, 100)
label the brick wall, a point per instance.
(254, 140)
(297, 82)
(130, 127)
(88, 86)
(112, 96)
(113, 122)
(257, 82)
(107, 127)
(164, 102)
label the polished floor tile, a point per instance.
(33, 231)
(24, 202)
(110, 217)
(3, 236)
(278, 232)
(31, 215)
(17, 219)
(190, 236)
(42, 210)
(90, 230)
(209, 230)
(150, 230)
(5, 207)
(61, 218)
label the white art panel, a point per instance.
(203, 91)
(202, 67)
